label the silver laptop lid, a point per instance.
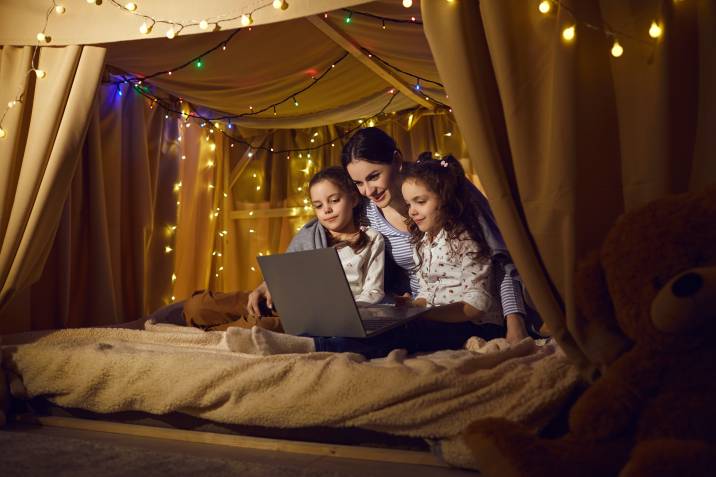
(311, 294)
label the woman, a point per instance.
(374, 162)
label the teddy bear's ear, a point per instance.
(596, 329)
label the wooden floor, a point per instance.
(317, 464)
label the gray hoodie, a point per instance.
(312, 236)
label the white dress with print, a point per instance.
(449, 273)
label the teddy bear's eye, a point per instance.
(657, 283)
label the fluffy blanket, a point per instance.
(166, 368)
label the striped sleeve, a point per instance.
(511, 292)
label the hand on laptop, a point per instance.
(407, 300)
(258, 294)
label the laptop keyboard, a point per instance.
(377, 324)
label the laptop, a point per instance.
(311, 295)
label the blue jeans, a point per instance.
(417, 336)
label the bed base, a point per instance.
(342, 443)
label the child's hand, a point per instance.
(407, 300)
(403, 300)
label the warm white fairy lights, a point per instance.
(42, 38)
(569, 31)
(655, 30)
(175, 28)
(617, 49)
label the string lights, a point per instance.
(348, 18)
(569, 32)
(233, 139)
(176, 27)
(41, 37)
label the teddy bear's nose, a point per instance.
(687, 285)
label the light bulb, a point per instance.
(60, 10)
(545, 7)
(655, 30)
(171, 33)
(131, 6)
(40, 73)
(569, 33)
(204, 25)
(246, 20)
(617, 49)
(407, 3)
(145, 28)
(2, 133)
(92, 1)
(277, 4)
(42, 38)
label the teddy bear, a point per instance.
(652, 411)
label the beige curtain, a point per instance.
(39, 155)
(159, 207)
(566, 137)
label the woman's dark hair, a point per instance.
(340, 178)
(369, 144)
(460, 212)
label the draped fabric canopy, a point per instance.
(265, 64)
(563, 136)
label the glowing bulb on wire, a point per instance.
(246, 20)
(145, 28)
(407, 3)
(569, 33)
(171, 33)
(2, 133)
(545, 7)
(204, 25)
(42, 38)
(40, 73)
(617, 49)
(655, 30)
(131, 6)
(60, 10)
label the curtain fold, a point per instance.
(159, 207)
(566, 137)
(39, 157)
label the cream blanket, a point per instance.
(166, 368)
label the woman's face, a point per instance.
(375, 181)
(423, 206)
(333, 206)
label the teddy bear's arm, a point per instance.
(613, 403)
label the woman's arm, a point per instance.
(513, 306)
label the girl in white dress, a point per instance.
(336, 202)
(453, 259)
